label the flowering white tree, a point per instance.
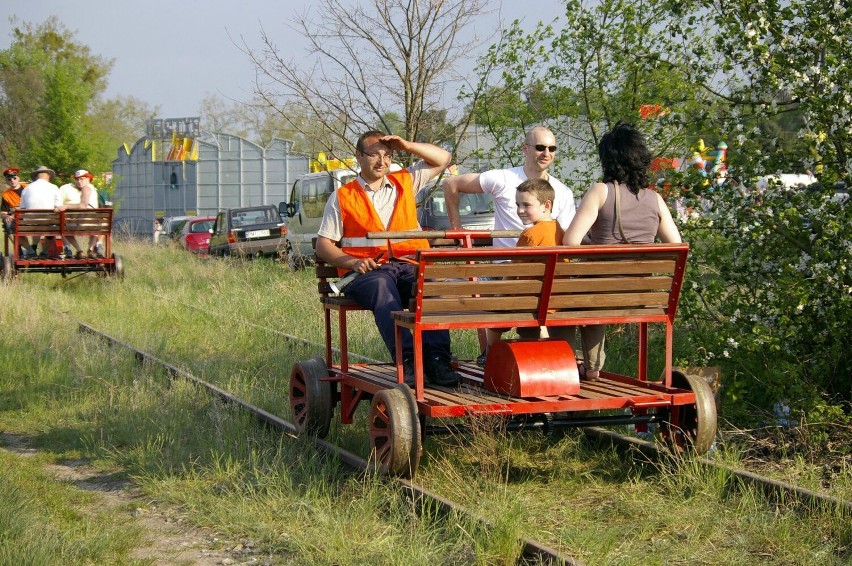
(770, 290)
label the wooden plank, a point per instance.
(479, 287)
(602, 284)
(478, 304)
(609, 300)
(462, 317)
(339, 301)
(637, 314)
(620, 267)
(466, 270)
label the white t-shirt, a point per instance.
(69, 194)
(40, 194)
(501, 184)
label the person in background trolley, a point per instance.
(41, 194)
(11, 200)
(88, 199)
(619, 210)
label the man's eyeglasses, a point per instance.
(379, 155)
(542, 147)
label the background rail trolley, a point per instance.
(80, 223)
(522, 287)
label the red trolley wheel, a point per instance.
(691, 426)
(311, 397)
(395, 431)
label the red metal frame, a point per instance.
(49, 265)
(614, 391)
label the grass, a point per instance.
(76, 398)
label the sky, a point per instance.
(171, 55)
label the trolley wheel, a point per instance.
(7, 271)
(311, 397)
(118, 267)
(395, 431)
(691, 426)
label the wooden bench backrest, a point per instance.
(588, 284)
(65, 223)
(37, 221)
(325, 272)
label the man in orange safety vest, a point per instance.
(380, 200)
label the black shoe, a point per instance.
(439, 372)
(408, 372)
(480, 359)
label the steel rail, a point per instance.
(771, 487)
(532, 552)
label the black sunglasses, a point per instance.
(540, 147)
(11, 176)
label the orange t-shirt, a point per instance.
(544, 233)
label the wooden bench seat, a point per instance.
(31, 223)
(556, 286)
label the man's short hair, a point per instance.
(539, 188)
(359, 145)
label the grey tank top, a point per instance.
(640, 217)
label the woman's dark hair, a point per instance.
(625, 157)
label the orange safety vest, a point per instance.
(359, 217)
(12, 198)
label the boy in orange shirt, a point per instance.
(534, 199)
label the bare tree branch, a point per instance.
(366, 63)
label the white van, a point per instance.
(306, 204)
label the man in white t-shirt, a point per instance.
(41, 194)
(539, 148)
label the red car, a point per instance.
(195, 235)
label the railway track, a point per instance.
(779, 489)
(532, 552)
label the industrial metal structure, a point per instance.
(177, 169)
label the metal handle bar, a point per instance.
(445, 234)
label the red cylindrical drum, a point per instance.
(532, 368)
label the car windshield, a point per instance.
(249, 217)
(201, 226)
(469, 204)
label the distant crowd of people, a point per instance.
(42, 194)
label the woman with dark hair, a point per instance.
(619, 210)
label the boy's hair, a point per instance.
(539, 188)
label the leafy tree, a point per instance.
(773, 296)
(61, 142)
(769, 289)
(111, 123)
(48, 82)
(580, 75)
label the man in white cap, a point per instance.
(41, 194)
